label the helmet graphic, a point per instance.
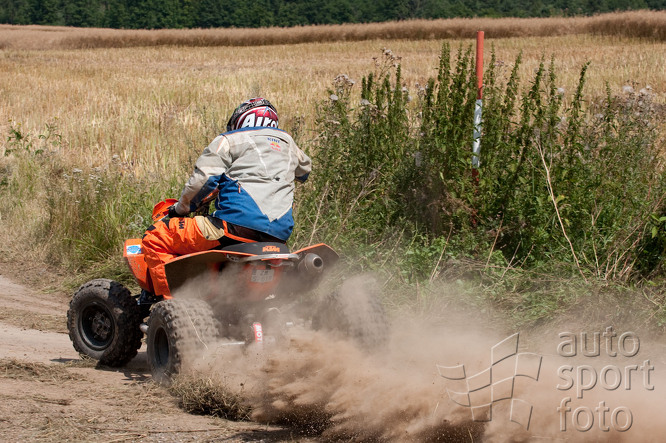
(253, 112)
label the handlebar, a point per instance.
(161, 209)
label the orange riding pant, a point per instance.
(165, 241)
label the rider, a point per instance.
(253, 166)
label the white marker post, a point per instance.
(476, 144)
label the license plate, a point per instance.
(262, 275)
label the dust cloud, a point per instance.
(542, 385)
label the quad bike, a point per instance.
(242, 294)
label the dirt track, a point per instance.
(48, 393)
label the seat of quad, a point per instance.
(258, 248)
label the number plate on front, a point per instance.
(262, 275)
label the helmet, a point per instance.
(253, 112)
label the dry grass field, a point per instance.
(155, 105)
(144, 106)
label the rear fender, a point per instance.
(257, 275)
(186, 267)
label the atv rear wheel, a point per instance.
(354, 311)
(179, 331)
(103, 322)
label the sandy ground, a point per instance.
(47, 393)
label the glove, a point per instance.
(172, 212)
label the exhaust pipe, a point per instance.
(312, 264)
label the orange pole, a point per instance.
(479, 64)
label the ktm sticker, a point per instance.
(270, 248)
(133, 249)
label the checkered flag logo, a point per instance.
(483, 390)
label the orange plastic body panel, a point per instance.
(134, 255)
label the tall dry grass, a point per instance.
(642, 24)
(156, 107)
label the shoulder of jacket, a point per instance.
(219, 145)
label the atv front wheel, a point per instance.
(179, 331)
(103, 322)
(354, 311)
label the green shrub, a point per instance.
(562, 179)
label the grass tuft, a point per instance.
(202, 395)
